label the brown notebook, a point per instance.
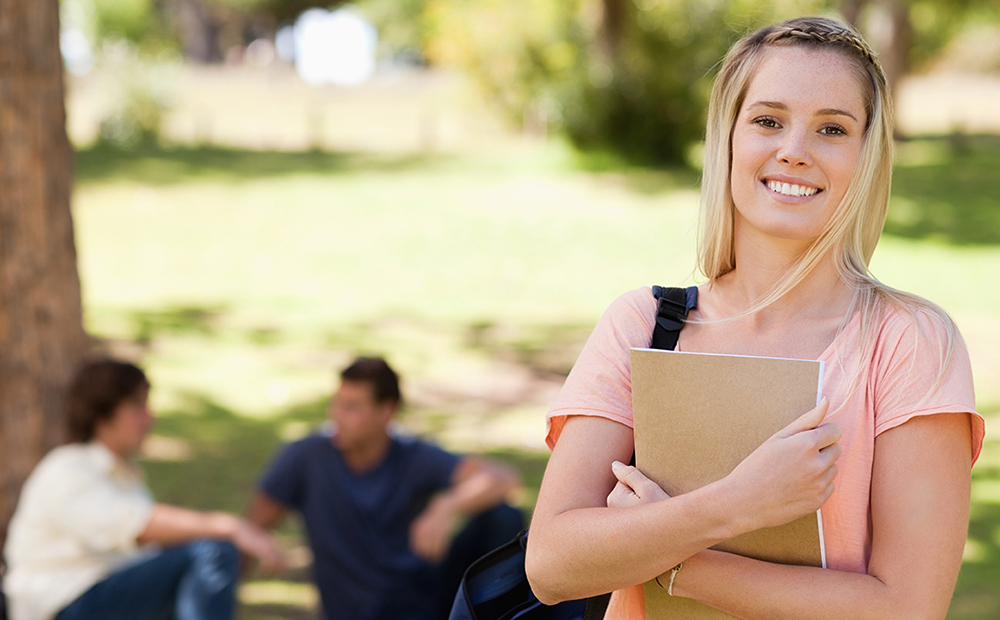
(697, 416)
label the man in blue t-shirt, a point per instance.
(380, 509)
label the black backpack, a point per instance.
(495, 586)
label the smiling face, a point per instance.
(796, 143)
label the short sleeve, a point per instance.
(600, 383)
(284, 480)
(909, 380)
(103, 515)
(437, 465)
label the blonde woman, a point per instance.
(794, 196)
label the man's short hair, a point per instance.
(376, 372)
(96, 391)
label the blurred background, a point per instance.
(266, 188)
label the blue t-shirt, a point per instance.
(358, 525)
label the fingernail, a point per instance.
(616, 465)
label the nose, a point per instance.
(794, 149)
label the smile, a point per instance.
(787, 189)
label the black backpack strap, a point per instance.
(673, 305)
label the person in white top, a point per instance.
(88, 541)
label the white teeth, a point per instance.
(791, 190)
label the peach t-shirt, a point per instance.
(899, 383)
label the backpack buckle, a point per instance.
(670, 314)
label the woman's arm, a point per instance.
(171, 525)
(579, 547)
(920, 513)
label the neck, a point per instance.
(110, 447)
(365, 456)
(761, 266)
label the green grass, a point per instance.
(241, 280)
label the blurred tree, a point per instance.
(629, 76)
(41, 325)
(909, 33)
(135, 20)
(402, 28)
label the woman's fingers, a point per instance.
(633, 487)
(793, 472)
(807, 421)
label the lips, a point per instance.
(790, 189)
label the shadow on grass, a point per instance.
(546, 349)
(187, 319)
(947, 191)
(161, 165)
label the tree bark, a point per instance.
(41, 325)
(614, 16)
(899, 40)
(851, 10)
(198, 31)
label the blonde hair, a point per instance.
(856, 225)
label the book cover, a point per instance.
(697, 416)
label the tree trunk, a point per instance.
(899, 40)
(41, 326)
(614, 15)
(851, 10)
(198, 31)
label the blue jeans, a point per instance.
(195, 581)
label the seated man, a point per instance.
(81, 542)
(380, 509)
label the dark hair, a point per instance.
(97, 389)
(376, 372)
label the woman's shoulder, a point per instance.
(910, 320)
(916, 343)
(72, 457)
(634, 305)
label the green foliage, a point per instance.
(550, 65)
(399, 22)
(140, 21)
(138, 94)
(648, 102)
(937, 23)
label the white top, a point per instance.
(77, 520)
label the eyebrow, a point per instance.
(777, 105)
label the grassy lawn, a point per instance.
(241, 280)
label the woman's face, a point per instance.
(128, 425)
(796, 143)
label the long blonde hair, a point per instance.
(856, 225)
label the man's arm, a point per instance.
(265, 511)
(169, 525)
(477, 484)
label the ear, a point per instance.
(388, 409)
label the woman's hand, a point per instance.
(789, 475)
(253, 541)
(633, 488)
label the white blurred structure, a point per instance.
(77, 20)
(335, 47)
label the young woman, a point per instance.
(794, 195)
(87, 540)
